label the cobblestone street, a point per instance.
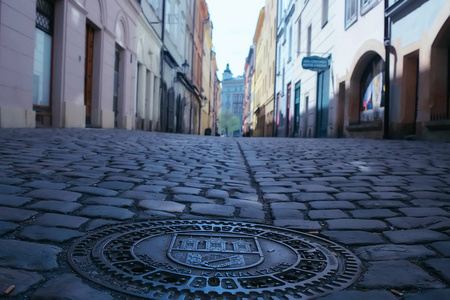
(386, 201)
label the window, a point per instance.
(367, 5)
(324, 12)
(351, 12)
(299, 36)
(372, 95)
(308, 46)
(43, 55)
(290, 43)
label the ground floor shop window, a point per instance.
(43, 55)
(372, 91)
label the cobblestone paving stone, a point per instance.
(387, 201)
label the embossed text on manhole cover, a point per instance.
(213, 260)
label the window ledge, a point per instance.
(438, 125)
(365, 126)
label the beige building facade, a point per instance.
(77, 63)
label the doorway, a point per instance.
(323, 99)
(88, 72)
(297, 110)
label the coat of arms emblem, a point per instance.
(215, 251)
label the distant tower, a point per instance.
(227, 73)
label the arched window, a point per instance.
(372, 91)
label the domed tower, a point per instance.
(227, 73)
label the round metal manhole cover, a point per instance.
(213, 260)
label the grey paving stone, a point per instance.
(168, 206)
(59, 220)
(10, 189)
(430, 195)
(41, 184)
(276, 197)
(389, 196)
(212, 209)
(115, 185)
(354, 237)
(442, 247)
(69, 287)
(358, 295)
(429, 295)
(192, 199)
(94, 191)
(327, 214)
(52, 234)
(21, 280)
(424, 211)
(252, 213)
(150, 188)
(392, 252)
(277, 190)
(215, 193)
(15, 214)
(356, 189)
(243, 203)
(13, 200)
(351, 196)
(123, 178)
(430, 203)
(97, 223)
(356, 224)
(415, 236)
(288, 205)
(106, 212)
(287, 213)
(298, 224)
(6, 227)
(372, 213)
(306, 197)
(400, 274)
(151, 215)
(382, 204)
(10, 181)
(28, 256)
(245, 196)
(139, 195)
(49, 194)
(441, 266)
(186, 190)
(113, 201)
(411, 222)
(316, 188)
(56, 206)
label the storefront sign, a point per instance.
(315, 63)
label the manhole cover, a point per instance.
(213, 260)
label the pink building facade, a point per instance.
(68, 63)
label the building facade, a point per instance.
(247, 126)
(128, 64)
(77, 63)
(419, 73)
(392, 82)
(233, 95)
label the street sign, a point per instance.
(315, 63)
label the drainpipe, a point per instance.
(275, 114)
(387, 83)
(161, 85)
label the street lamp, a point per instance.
(185, 67)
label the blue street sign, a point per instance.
(315, 63)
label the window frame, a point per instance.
(349, 21)
(367, 5)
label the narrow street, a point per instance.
(386, 202)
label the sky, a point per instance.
(234, 23)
